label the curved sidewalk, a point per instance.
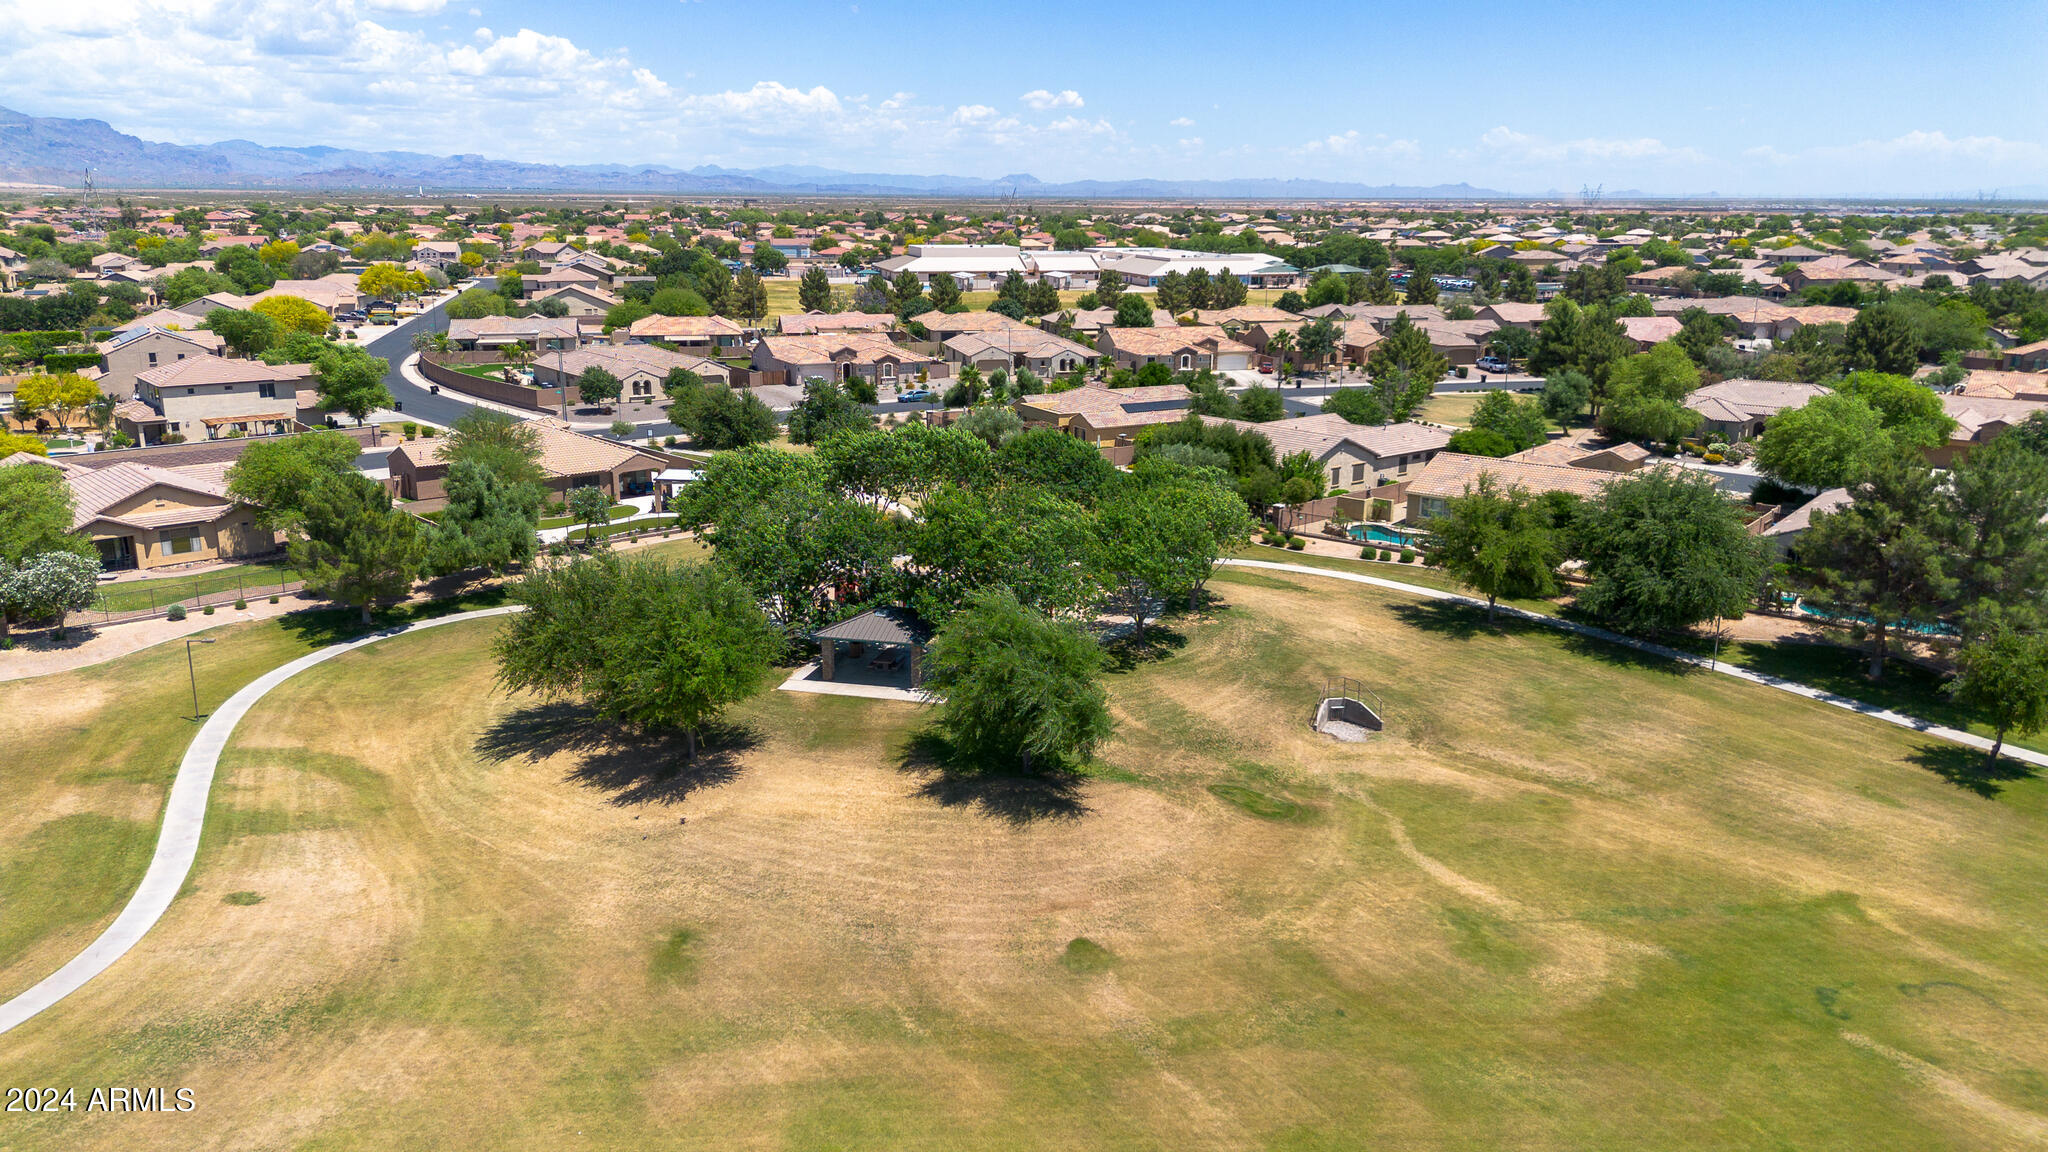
(1899, 719)
(177, 844)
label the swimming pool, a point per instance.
(1380, 534)
(1906, 626)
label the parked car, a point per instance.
(1492, 364)
(1265, 369)
(915, 396)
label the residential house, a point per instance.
(705, 335)
(563, 276)
(1509, 314)
(1979, 420)
(1106, 417)
(568, 459)
(1350, 455)
(140, 516)
(1010, 349)
(538, 333)
(1450, 475)
(809, 323)
(1649, 331)
(641, 368)
(206, 397)
(1188, 349)
(840, 356)
(582, 300)
(2025, 357)
(1738, 409)
(129, 354)
(333, 294)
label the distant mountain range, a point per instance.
(48, 150)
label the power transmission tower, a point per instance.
(92, 196)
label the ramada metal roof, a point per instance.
(889, 625)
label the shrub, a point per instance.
(206, 611)
(1385, 554)
(1296, 543)
(240, 604)
(412, 430)
(273, 599)
(1368, 553)
(176, 612)
(1407, 555)
(1713, 458)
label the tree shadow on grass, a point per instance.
(1970, 769)
(1125, 652)
(323, 626)
(1458, 621)
(1003, 792)
(631, 766)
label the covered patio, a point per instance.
(878, 654)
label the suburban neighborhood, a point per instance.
(562, 589)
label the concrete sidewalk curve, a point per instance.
(177, 843)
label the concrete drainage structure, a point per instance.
(1344, 714)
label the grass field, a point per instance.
(1568, 900)
(615, 512)
(1455, 409)
(260, 577)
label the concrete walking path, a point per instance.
(177, 844)
(1900, 719)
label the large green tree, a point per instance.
(1018, 687)
(1664, 550)
(351, 380)
(646, 644)
(814, 291)
(1882, 556)
(1831, 441)
(1497, 540)
(1405, 352)
(490, 521)
(2003, 680)
(1881, 339)
(35, 513)
(275, 476)
(352, 546)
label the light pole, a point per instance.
(194, 675)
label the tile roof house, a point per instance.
(713, 334)
(137, 350)
(541, 333)
(840, 356)
(206, 397)
(1979, 420)
(641, 368)
(1013, 348)
(1649, 331)
(570, 459)
(1105, 416)
(1352, 455)
(807, 323)
(1451, 474)
(1738, 409)
(141, 516)
(1188, 349)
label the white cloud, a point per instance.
(1353, 144)
(1504, 144)
(1043, 101)
(1181, 122)
(367, 74)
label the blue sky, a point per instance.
(1738, 98)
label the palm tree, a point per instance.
(1278, 346)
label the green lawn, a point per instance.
(257, 578)
(1570, 899)
(617, 511)
(655, 524)
(491, 371)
